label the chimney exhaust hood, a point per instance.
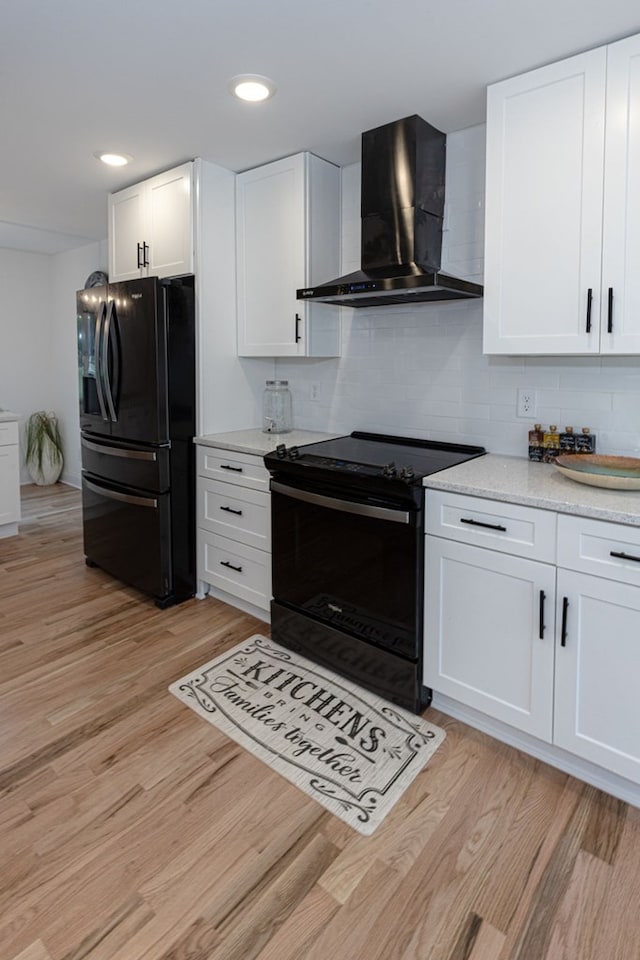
(403, 175)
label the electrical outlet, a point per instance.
(315, 391)
(526, 403)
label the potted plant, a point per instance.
(44, 456)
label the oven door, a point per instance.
(350, 562)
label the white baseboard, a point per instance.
(598, 777)
(244, 605)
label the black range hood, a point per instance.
(403, 174)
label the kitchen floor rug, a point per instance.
(350, 750)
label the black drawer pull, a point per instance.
(298, 322)
(225, 563)
(589, 301)
(226, 466)
(610, 311)
(238, 513)
(489, 526)
(624, 556)
(563, 633)
(542, 626)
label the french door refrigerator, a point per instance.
(136, 371)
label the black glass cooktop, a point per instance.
(363, 456)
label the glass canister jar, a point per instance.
(277, 414)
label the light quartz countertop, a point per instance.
(259, 443)
(518, 480)
(7, 417)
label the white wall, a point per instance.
(419, 370)
(25, 335)
(38, 339)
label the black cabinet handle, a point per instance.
(542, 626)
(563, 632)
(238, 513)
(226, 466)
(610, 311)
(298, 322)
(225, 563)
(589, 301)
(145, 251)
(140, 264)
(624, 556)
(489, 526)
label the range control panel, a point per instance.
(388, 470)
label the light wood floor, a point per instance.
(130, 829)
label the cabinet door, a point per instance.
(170, 223)
(9, 484)
(488, 636)
(543, 235)
(596, 698)
(271, 245)
(621, 238)
(127, 229)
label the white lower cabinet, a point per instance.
(489, 632)
(489, 614)
(9, 479)
(233, 526)
(596, 713)
(552, 651)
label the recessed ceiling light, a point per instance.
(113, 159)
(251, 87)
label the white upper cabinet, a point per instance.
(288, 236)
(562, 207)
(621, 232)
(151, 227)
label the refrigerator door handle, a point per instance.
(106, 343)
(99, 361)
(118, 452)
(114, 339)
(122, 497)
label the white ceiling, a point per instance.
(148, 78)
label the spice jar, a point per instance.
(567, 441)
(586, 441)
(551, 444)
(276, 407)
(536, 441)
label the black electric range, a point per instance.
(347, 555)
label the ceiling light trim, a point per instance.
(113, 159)
(251, 88)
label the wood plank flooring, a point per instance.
(132, 830)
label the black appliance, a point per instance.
(347, 539)
(402, 206)
(136, 366)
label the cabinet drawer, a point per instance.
(235, 567)
(8, 433)
(594, 546)
(239, 513)
(244, 469)
(507, 527)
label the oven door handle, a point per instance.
(346, 506)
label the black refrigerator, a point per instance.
(136, 372)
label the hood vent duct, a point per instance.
(403, 185)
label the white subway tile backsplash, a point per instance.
(588, 401)
(419, 370)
